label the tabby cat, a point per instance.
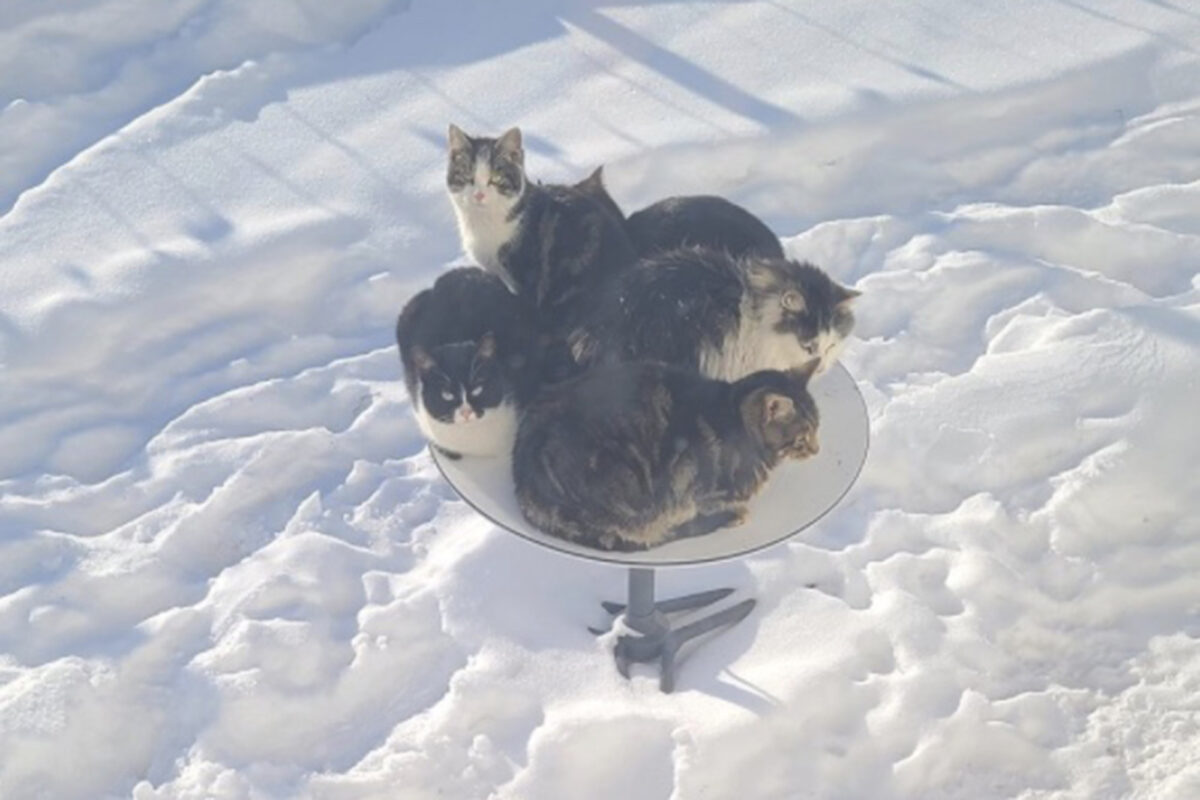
(552, 244)
(469, 349)
(632, 455)
(726, 317)
(701, 220)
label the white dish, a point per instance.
(798, 493)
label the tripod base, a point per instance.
(651, 636)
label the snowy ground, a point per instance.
(229, 570)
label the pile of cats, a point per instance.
(645, 373)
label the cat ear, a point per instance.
(509, 144)
(805, 373)
(845, 294)
(487, 345)
(777, 406)
(792, 300)
(421, 359)
(595, 181)
(458, 140)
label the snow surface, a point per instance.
(228, 568)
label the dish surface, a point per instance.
(798, 493)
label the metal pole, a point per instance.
(651, 637)
(641, 593)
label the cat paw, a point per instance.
(737, 516)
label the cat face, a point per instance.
(782, 413)
(805, 302)
(461, 382)
(484, 172)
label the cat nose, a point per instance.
(479, 196)
(467, 414)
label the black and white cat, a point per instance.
(726, 317)
(701, 220)
(470, 350)
(632, 455)
(552, 244)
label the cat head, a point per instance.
(593, 186)
(461, 382)
(484, 172)
(778, 410)
(801, 299)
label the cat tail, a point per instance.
(707, 523)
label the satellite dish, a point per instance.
(797, 494)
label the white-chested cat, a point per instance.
(469, 349)
(553, 244)
(724, 316)
(633, 455)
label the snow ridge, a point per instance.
(228, 568)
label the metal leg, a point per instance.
(641, 598)
(651, 637)
(677, 638)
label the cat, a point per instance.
(632, 455)
(723, 316)
(702, 220)
(552, 244)
(593, 187)
(470, 355)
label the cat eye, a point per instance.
(478, 390)
(447, 395)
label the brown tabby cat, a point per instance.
(632, 455)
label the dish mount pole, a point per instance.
(648, 634)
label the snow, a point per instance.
(229, 569)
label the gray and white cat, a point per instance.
(632, 455)
(555, 245)
(724, 316)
